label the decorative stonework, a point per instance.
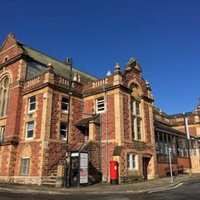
(139, 145)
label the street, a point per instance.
(188, 191)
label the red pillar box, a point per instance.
(114, 172)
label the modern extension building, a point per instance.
(192, 121)
(170, 138)
(48, 107)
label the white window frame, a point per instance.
(25, 166)
(2, 135)
(100, 104)
(132, 106)
(31, 102)
(4, 96)
(139, 129)
(132, 161)
(137, 106)
(63, 131)
(136, 118)
(133, 127)
(29, 130)
(64, 104)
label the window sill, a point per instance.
(64, 111)
(134, 169)
(31, 111)
(28, 139)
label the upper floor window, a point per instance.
(136, 120)
(29, 130)
(65, 104)
(132, 106)
(137, 108)
(133, 127)
(31, 104)
(63, 130)
(4, 96)
(6, 59)
(139, 134)
(100, 104)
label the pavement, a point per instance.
(147, 186)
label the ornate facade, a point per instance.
(48, 107)
(111, 118)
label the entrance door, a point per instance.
(145, 161)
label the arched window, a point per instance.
(4, 96)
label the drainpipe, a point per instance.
(100, 146)
(188, 143)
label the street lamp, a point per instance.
(67, 161)
(188, 143)
(170, 166)
(104, 89)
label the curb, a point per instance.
(127, 191)
(93, 190)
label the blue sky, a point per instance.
(163, 35)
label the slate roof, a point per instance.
(85, 121)
(157, 110)
(37, 65)
(180, 115)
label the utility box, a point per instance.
(114, 172)
(79, 168)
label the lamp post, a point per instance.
(188, 143)
(104, 89)
(67, 161)
(170, 167)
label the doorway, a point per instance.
(145, 162)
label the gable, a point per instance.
(9, 42)
(9, 49)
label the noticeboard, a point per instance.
(83, 167)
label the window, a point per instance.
(100, 104)
(133, 126)
(25, 164)
(166, 143)
(4, 96)
(86, 134)
(132, 106)
(137, 108)
(3, 128)
(136, 120)
(131, 161)
(6, 59)
(29, 130)
(63, 130)
(64, 104)
(32, 103)
(139, 129)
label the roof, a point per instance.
(157, 110)
(85, 121)
(180, 115)
(37, 65)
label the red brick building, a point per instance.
(111, 118)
